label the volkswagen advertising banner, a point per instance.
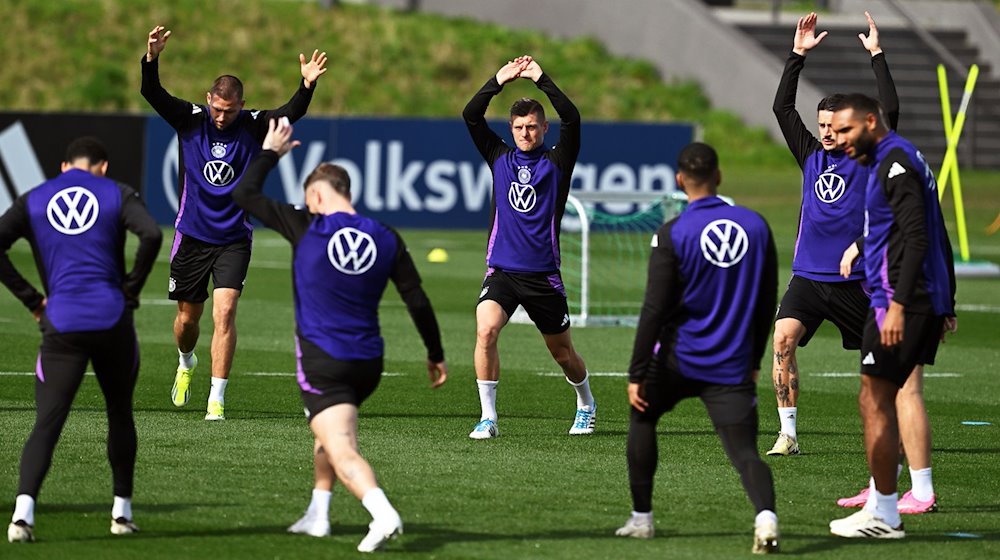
(426, 173)
(408, 173)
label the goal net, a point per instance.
(605, 253)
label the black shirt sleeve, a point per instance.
(800, 141)
(904, 193)
(177, 112)
(886, 89)
(663, 297)
(767, 299)
(565, 153)
(286, 219)
(295, 109)
(490, 145)
(137, 219)
(15, 224)
(407, 281)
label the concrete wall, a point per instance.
(682, 38)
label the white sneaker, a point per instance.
(864, 524)
(485, 429)
(122, 526)
(785, 445)
(381, 532)
(637, 528)
(20, 531)
(765, 537)
(584, 422)
(311, 525)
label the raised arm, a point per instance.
(886, 87)
(15, 224)
(800, 141)
(136, 218)
(490, 145)
(177, 112)
(287, 220)
(297, 106)
(566, 152)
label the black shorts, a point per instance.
(541, 294)
(727, 405)
(845, 304)
(192, 261)
(326, 381)
(921, 336)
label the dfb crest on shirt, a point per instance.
(724, 243)
(219, 173)
(524, 175)
(522, 198)
(73, 210)
(830, 187)
(351, 251)
(218, 150)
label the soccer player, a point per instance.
(831, 218)
(341, 264)
(909, 267)
(76, 226)
(530, 187)
(215, 143)
(703, 329)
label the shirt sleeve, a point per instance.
(767, 299)
(286, 219)
(295, 109)
(904, 193)
(490, 146)
(798, 138)
(407, 281)
(178, 113)
(663, 296)
(886, 89)
(136, 218)
(15, 224)
(566, 151)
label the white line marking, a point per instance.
(286, 374)
(980, 308)
(590, 374)
(858, 374)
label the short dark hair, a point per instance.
(698, 161)
(860, 103)
(829, 101)
(527, 106)
(88, 148)
(333, 174)
(227, 87)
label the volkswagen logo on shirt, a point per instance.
(73, 210)
(351, 251)
(219, 173)
(724, 243)
(522, 198)
(830, 187)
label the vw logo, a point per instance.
(522, 198)
(73, 210)
(830, 187)
(219, 173)
(351, 251)
(724, 243)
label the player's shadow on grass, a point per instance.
(103, 508)
(422, 537)
(824, 543)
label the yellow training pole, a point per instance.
(949, 167)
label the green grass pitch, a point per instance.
(229, 489)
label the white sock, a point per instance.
(378, 505)
(887, 507)
(765, 515)
(584, 398)
(122, 507)
(186, 360)
(643, 516)
(488, 399)
(923, 486)
(218, 392)
(870, 502)
(787, 417)
(320, 504)
(24, 509)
